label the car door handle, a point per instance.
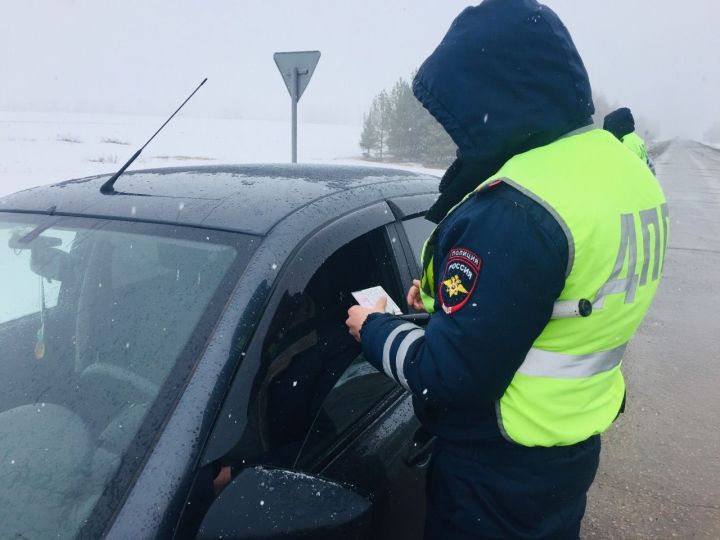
(421, 319)
(420, 449)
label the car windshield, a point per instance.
(101, 322)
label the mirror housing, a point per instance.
(263, 503)
(46, 259)
(50, 263)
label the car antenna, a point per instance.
(108, 187)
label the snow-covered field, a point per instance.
(43, 148)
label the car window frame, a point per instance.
(224, 442)
(406, 208)
(413, 262)
(320, 459)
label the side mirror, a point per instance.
(265, 503)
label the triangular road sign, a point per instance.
(304, 62)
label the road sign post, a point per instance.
(297, 69)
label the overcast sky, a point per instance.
(143, 56)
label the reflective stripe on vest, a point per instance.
(540, 363)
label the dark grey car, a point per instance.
(192, 324)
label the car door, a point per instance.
(363, 433)
(324, 408)
(316, 404)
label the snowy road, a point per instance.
(660, 470)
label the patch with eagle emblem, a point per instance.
(459, 279)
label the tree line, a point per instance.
(398, 128)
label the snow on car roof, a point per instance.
(247, 198)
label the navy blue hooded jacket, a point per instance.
(505, 79)
(619, 122)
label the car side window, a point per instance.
(417, 230)
(316, 375)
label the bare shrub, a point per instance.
(104, 159)
(111, 140)
(68, 138)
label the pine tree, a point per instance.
(398, 125)
(405, 123)
(369, 138)
(382, 109)
(439, 148)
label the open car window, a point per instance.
(314, 366)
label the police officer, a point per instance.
(539, 212)
(622, 124)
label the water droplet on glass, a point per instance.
(133, 210)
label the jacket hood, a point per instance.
(619, 122)
(506, 78)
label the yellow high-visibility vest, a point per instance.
(616, 221)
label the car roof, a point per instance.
(244, 198)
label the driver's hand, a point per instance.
(358, 314)
(413, 297)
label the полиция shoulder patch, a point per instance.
(459, 279)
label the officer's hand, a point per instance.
(413, 297)
(358, 314)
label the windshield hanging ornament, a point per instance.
(40, 343)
